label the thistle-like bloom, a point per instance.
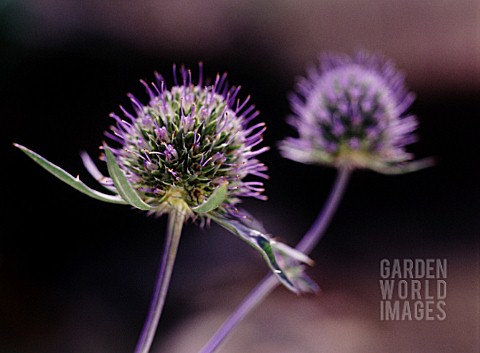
(187, 152)
(186, 143)
(351, 112)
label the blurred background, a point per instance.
(76, 275)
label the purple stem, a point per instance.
(174, 230)
(269, 283)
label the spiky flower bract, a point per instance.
(351, 112)
(177, 149)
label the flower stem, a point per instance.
(317, 230)
(174, 230)
(269, 283)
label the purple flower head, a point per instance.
(188, 152)
(351, 112)
(186, 142)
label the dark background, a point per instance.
(76, 275)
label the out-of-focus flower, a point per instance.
(351, 112)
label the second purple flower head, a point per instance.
(352, 112)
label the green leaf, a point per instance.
(215, 200)
(259, 241)
(292, 253)
(123, 186)
(69, 179)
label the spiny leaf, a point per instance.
(292, 253)
(259, 241)
(123, 186)
(69, 179)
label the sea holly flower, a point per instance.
(187, 153)
(352, 112)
